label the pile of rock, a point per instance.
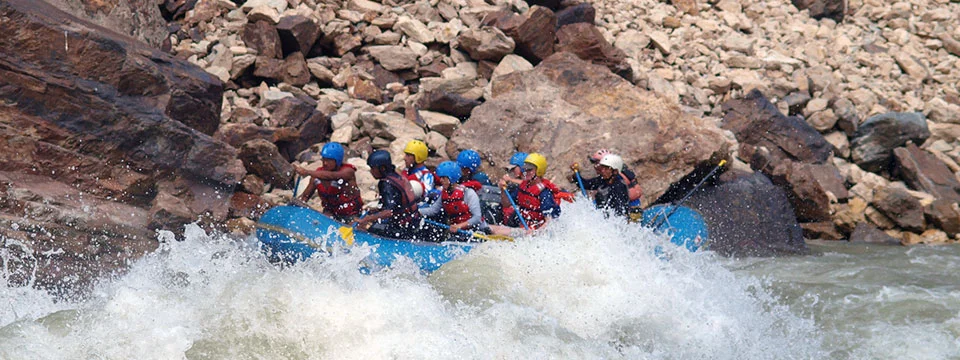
(809, 95)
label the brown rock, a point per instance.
(247, 205)
(448, 102)
(923, 171)
(687, 6)
(758, 123)
(297, 33)
(346, 42)
(139, 19)
(238, 134)
(577, 103)
(945, 215)
(268, 67)
(820, 9)
(487, 43)
(952, 46)
(252, 184)
(823, 230)
(810, 187)
(295, 71)
(580, 13)
(586, 41)
(365, 90)
(262, 159)
(263, 37)
(866, 233)
(536, 36)
(901, 207)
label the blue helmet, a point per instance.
(450, 170)
(379, 158)
(469, 159)
(518, 158)
(333, 151)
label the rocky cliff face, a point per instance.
(104, 139)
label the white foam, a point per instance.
(588, 287)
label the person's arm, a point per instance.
(308, 193)
(593, 183)
(344, 172)
(432, 209)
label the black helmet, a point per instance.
(379, 158)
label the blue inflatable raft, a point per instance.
(291, 233)
(685, 226)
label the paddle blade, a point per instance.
(346, 233)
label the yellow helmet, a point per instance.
(539, 161)
(418, 149)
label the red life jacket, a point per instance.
(454, 206)
(409, 211)
(528, 200)
(340, 197)
(473, 184)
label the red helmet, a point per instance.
(595, 158)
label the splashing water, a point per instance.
(588, 287)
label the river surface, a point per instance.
(588, 288)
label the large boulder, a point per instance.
(819, 9)
(102, 140)
(789, 151)
(566, 108)
(140, 19)
(872, 144)
(922, 171)
(747, 215)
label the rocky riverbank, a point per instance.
(840, 118)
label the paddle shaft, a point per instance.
(676, 205)
(462, 232)
(580, 182)
(515, 208)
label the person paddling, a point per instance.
(629, 177)
(335, 183)
(471, 176)
(459, 205)
(534, 199)
(398, 216)
(414, 154)
(612, 193)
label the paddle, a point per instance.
(515, 208)
(576, 172)
(674, 206)
(470, 233)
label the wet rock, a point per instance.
(866, 233)
(873, 143)
(823, 230)
(747, 215)
(922, 170)
(577, 106)
(945, 215)
(900, 207)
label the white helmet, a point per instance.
(417, 189)
(613, 161)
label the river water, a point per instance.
(588, 288)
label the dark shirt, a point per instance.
(611, 195)
(404, 223)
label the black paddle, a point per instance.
(674, 206)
